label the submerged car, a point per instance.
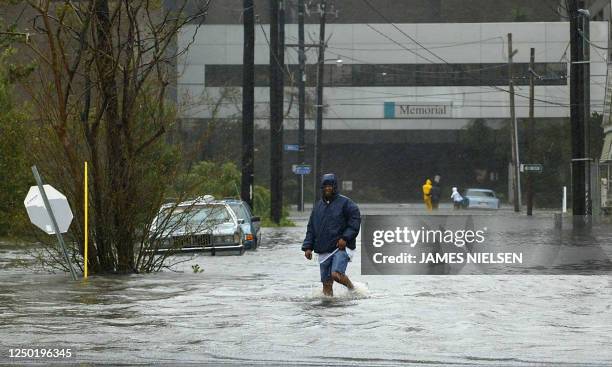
(250, 224)
(202, 224)
(481, 199)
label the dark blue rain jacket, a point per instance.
(340, 218)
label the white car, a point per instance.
(481, 199)
(202, 224)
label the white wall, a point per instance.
(362, 107)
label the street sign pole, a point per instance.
(60, 238)
(85, 211)
(301, 193)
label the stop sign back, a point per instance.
(38, 213)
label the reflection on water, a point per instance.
(267, 307)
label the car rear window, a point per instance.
(240, 211)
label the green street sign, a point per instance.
(532, 168)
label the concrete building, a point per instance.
(396, 95)
(600, 11)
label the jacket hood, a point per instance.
(330, 179)
(428, 182)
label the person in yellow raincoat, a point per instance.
(427, 194)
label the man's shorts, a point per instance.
(335, 263)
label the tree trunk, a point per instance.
(118, 170)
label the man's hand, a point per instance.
(341, 244)
(308, 254)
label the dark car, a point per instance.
(250, 224)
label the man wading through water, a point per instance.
(332, 229)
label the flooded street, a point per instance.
(131, 131)
(266, 307)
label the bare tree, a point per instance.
(101, 95)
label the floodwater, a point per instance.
(266, 307)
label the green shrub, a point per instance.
(223, 181)
(15, 176)
(209, 178)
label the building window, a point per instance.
(398, 75)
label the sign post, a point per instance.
(86, 204)
(49, 223)
(301, 169)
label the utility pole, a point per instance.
(530, 131)
(278, 210)
(319, 123)
(577, 112)
(301, 101)
(248, 104)
(275, 113)
(515, 156)
(586, 79)
(277, 59)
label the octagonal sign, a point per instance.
(38, 213)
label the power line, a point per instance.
(449, 45)
(394, 95)
(466, 105)
(425, 72)
(437, 56)
(399, 44)
(591, 43)
(426, 49)
(286, 67)
(346, 123)
(564, 56)
(402, 71)
(406, 95)
(396, 49)
(459, 104)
